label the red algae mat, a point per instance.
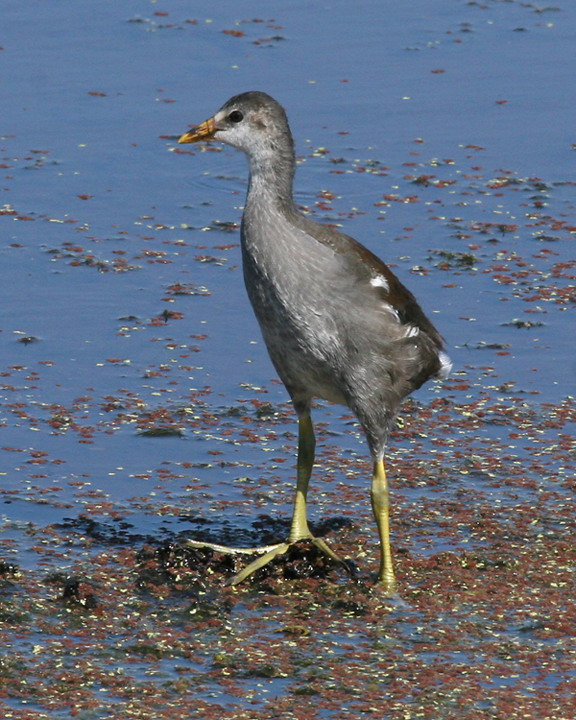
(138, 408)
(481, 628)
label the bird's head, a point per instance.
(253, 122)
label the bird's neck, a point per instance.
(270, 184)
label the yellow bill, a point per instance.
(204, 131)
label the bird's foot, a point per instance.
(267, 554)
(260, 562)
(226, 549)
(280, 549)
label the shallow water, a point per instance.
(441, 137)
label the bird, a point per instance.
(338, 324)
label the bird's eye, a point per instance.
(236, 116)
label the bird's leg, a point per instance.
(299, 529)
(306, 447)
(380, 507)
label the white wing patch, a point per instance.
(380, 281)
(411, 331)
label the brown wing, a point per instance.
(366, 265)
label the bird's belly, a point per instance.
(303, 347)
(305, 368)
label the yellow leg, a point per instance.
(380, 507)
(299, 529)
(306, 448)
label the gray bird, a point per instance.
(338, 324)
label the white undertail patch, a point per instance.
(445, 365)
